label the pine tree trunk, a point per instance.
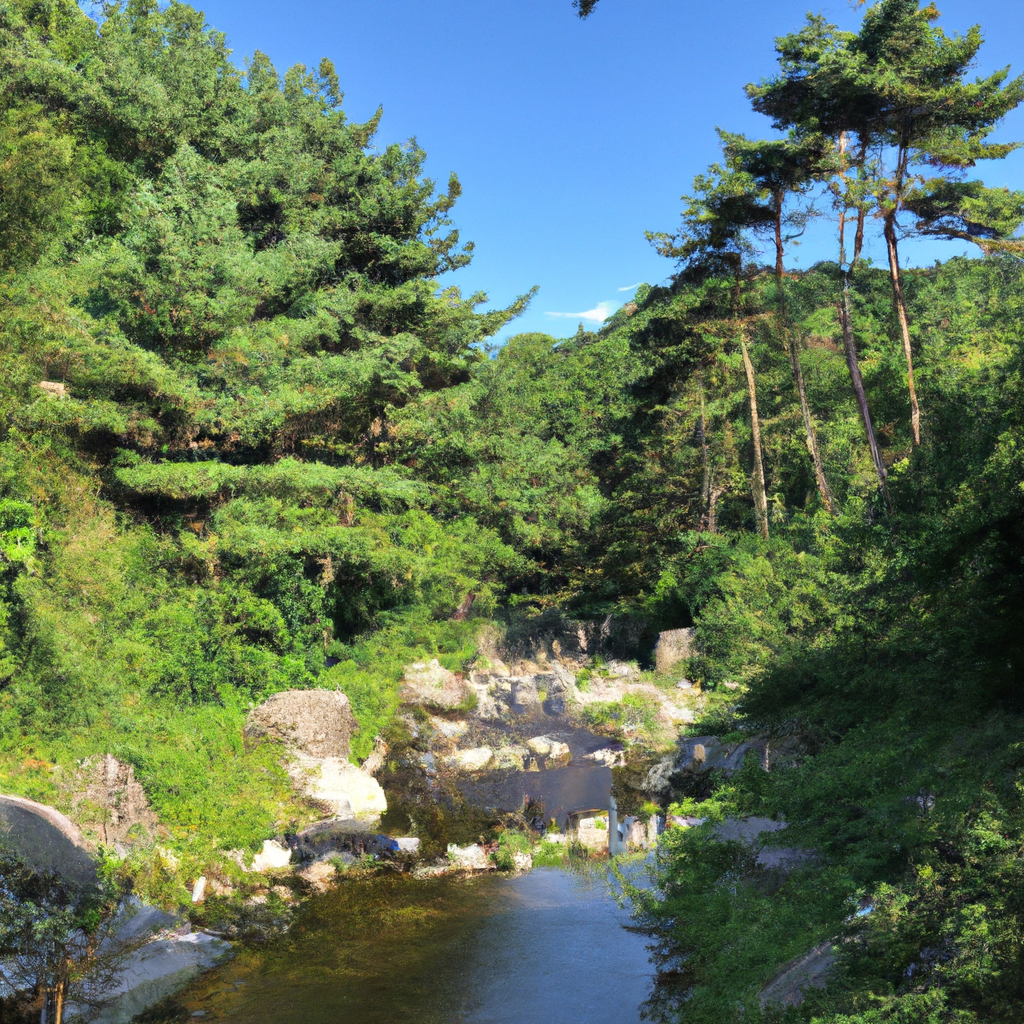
(757, 483)
(850, 347)
(780, 198)
(58, 1010)
(899, 300)
(709, 512)
(811, 436)
(794, 361)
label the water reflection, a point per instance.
(544, 947)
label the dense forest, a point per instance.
(248, 444)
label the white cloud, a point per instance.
(630, 287)
(600, 312)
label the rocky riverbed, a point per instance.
(480, 771)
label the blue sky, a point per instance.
(571, 138)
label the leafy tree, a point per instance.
(63, 942)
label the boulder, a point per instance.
(545, 746)
(313, 723)
(526, 692)
(710, 752)
(512, 757)
(345, 789)
(45, 840)
(620, 670)
(340, 838)
(750, 831)
(473, 760)
(592, 831)
(523, 862)
(450, 730)
(110, 804)
(673, 646)
(431, 685)
(272, 857)
(659, 776)
(610, 756)
(469, 858)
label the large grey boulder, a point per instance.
(313, 723)
(45, 840)
(157, 969)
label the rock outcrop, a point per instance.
(110, 804)
(159, 968)
(673, 646)
(311, 723)
(431, 685)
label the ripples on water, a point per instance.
(548, 947)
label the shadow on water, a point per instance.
(559, 790)
(548, 947)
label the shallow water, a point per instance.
(548, 947)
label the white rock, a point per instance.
(608, 756)
(430, 870)
(349, 792)
(272, 857)
(592, 831)
(472, 760)
(559, 750)
(199, 889)
(450, 730)
(540, 745)
(170, 860)
(408, 844)
(469, 858)
(619, 670)
(522, 861)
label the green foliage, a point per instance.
(249, 444)
(510, 842)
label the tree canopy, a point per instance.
(250, 443)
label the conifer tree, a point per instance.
(784, 168)
(712, 241)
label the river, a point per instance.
(548, 947)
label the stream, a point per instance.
(547, 947)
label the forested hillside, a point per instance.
(248, 444)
